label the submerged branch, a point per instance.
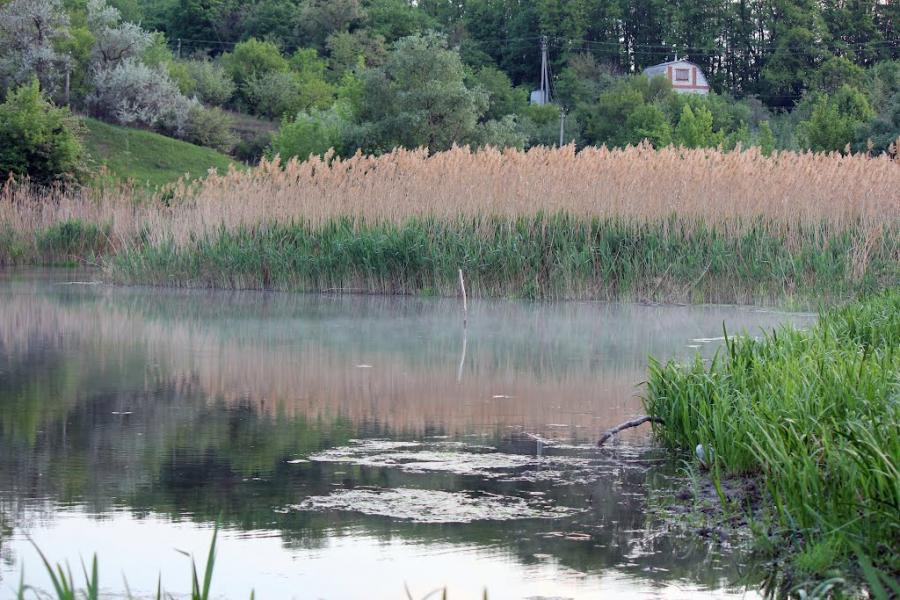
(626, 425)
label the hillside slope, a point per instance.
(148, 158)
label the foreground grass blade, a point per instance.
(61, 585)
(92, 581)
(210, 563)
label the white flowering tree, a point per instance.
(126, 89)
(29, 31)
(131, 93)
(115, 41)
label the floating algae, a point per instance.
(434, 506)
(456, 459)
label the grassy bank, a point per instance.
(147, 158)
(815, 416)
(667, 225)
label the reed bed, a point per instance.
(366, 222)
(816, 417)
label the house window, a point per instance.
(682, 75)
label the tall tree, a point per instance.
(566, 23)
(698, 32)
(271, 20)
(419, 98)
(852, 29)
(741, 42)
(606, 31)
(647, 32)
(204, 23)
(508, 31)
(447, 13)
(318, 19)
(887, 19)
(796, 36)
(394, 19)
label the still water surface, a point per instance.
(350, 445)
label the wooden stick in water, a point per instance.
(462, 358)
(626, 425)
(462, 286)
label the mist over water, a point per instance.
(351, 445)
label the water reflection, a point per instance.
(352, 428)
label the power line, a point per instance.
(657, 49)
(529, 38)
(661, 44)
(486, 42)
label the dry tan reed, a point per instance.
(635, 183)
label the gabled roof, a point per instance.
(661, 67)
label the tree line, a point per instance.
(371, 75)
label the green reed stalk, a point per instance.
(541, 256)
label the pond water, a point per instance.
(352, 447)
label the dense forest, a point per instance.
(295, 77)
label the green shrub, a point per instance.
(766, 139)
(252, 146)
(208, 81)
(310, 133)
(253, 58)
(277, 94)
(39, 140)
(210, 127)
(835, 120)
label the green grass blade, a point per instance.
(210, 563)
(58, 585)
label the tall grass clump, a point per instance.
(815, 415)
(67, 242)
(546, 222)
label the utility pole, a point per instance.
(68, 83)
(178, 52)
(562, 127)
(545, 72)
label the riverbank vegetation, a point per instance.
(814, 416)
(670, 224)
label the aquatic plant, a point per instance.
(815, 415)
(65, 588)
(673, 224)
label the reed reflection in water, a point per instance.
(161, 410)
